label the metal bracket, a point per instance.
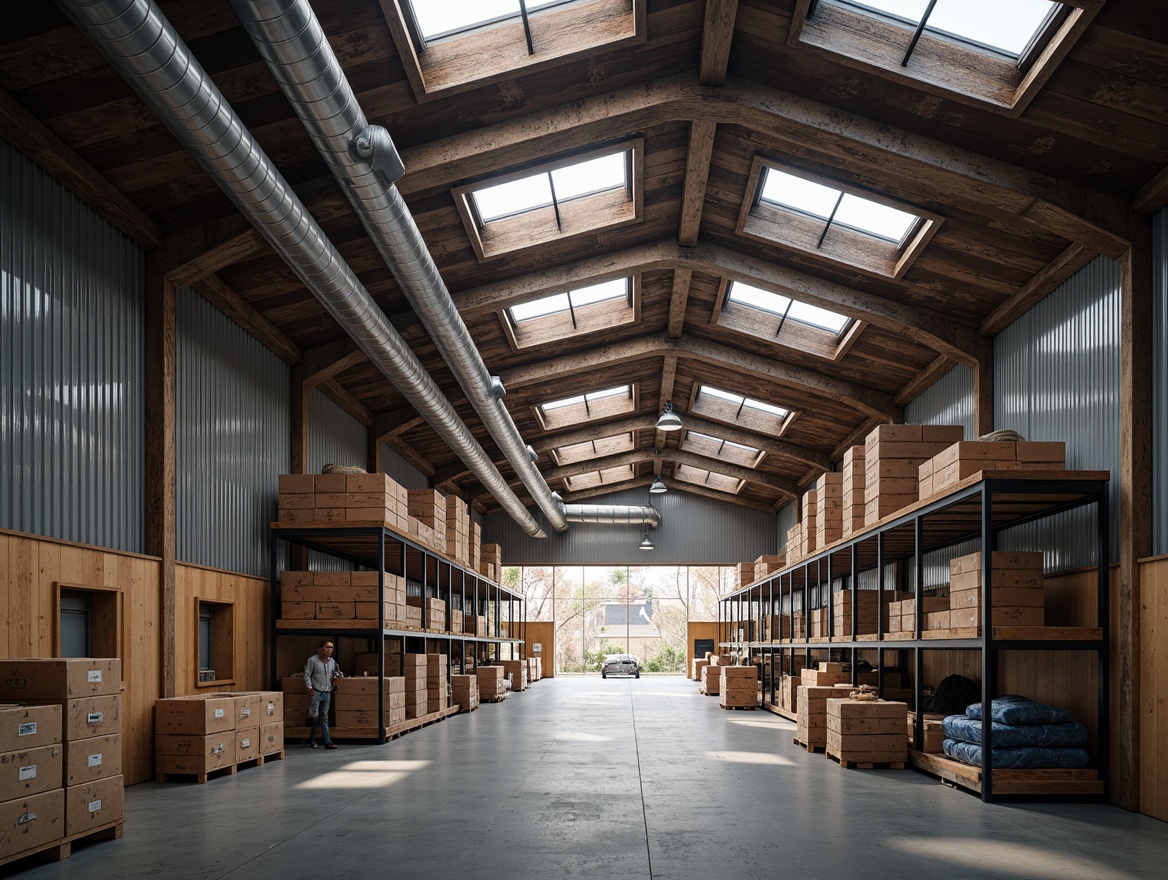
(375, 146)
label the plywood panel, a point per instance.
(543, 632)
(699, 629)
(1153, 714)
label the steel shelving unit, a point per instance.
(975, 512)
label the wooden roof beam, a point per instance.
(327, 361)
(235, 307)
(678, 300)
(950, 173)
(1029, 294)
(677, 456)
(346, 401)
(697, 176)
(717, 35)
(674, 486)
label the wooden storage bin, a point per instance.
(867, 731)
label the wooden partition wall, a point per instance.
(699, 629)
(543, 633)
(1153, 686)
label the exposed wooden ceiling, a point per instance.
(1025, 197)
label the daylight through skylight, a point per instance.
(1006, 26)
(616, 289)
(547, 188)
(591, 397)
(744, 402)
(727, 450)
(786, 308)
(842, 208)
(439, 18)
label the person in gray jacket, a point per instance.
(319, 672)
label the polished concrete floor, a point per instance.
(602, 779)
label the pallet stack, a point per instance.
(437, 697)
(81, 720)
(533, 669)
(852, 491)
(811, 715)
(738, 687)
(464, 691)
(517, 669)
(696, 667)
(902, 613)
(711, 679)
(968, 457)
(341, 596)
(355, 700)
(295, 696)
(829, 509)
(934, 735)
(893, 455)
(414, 670)
(455, 620)
(867, 732)
(743, 574)
(458, 530)
(194, 735)
(427, 518)
(476, 546)
(775, 627)
(428, 613)
(794, 547)
(343, 498)
(491, 686)
(491, 562)
(809, 527)
(768, 564)
(867, 608)
(475, 624)
(1016, 581)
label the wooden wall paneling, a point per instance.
(25, 602)
(699, 629)
(1153, 717)
(543, 632)
(1060, 678)
(6, 595)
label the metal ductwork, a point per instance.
(145, 49)
(290, 39)
(619, 514)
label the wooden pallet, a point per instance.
(810, 748)
(200, 778)
(498, 699)
(781, 712)
(61, 848)
(1029, 783)
(867, 765)
(752, 708)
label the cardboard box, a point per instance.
(92, 716)
(247, 744)
(94, 805)
(27, 823)
(62, 679)
(196, 715)
(28, 727)
(93, 758)
(271, 737)
(31, 771)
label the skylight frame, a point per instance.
(586, 407)
(726, 450)
(696, 476)
(423, 40)
(867, 41)
(604, 477)
(773, 224)
(570, 319)
(607, 208)
(740, 410)
(601, 447)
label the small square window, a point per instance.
(559, 199)
(833, 221)
(89, 621)
(215, 641)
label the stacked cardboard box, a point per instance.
(491, 561)
(432, 612)
(491, 686)
(829, 509)
(1017, 589)
(893, 455)
(811, 714)
(934, 736)
(711, 679)
(517, 669)
(271, 714)
(852, 491)
(464, 690)
(457, 529)
(794, 548)
(825, 674)
(194, 735)
(809, 531)
(775, 627)
(427, 536)
(744, 574)
(455, 620)
(475, 625)
(819, 620)
(533, 669)
(32, 794)
(738, 687)
(696, 666)
(436, 680)
(902, 613)
(476, 545)
(866, 610)
(296, 698)
(341, 596)
(343, 498)
(768, 564)
(414, 670)
(428, 506)
(87, 693)
(355, 700)
(867, 731)
(966, 458)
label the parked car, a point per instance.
(620, 664)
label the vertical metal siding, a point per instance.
(232, 417)
(72, 294)
(784, 522)
(1160, 380)
(334, 436)
(949, 401)
(694, 531)
(404, 473)
(1057, 377)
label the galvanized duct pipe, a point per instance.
(362, 157)
(142, 46)
(620, 514)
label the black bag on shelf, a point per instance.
(953, 694)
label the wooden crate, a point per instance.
(867, 731)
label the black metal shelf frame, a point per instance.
(367, 546)
(987, 503)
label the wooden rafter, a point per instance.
(717, 35)
(326, 361)
(1045, 281)
(230, 303)
(677, 456)
(697, 175)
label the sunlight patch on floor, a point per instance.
(764, 758)
(363, 774)
(1009, 859)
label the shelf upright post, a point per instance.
(989, 657)
(918, 655)
(274, 609)
(426, 588)
(404, 571)
(771, 637)
(381, 636)
(1103, 590)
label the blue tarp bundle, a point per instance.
(1020, 710)
(1029, 758)
(1027, 736)
(1069, 734)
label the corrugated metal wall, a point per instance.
(232, 418)
(404, 473)
(334, 436)
(72, 301)
(784, 522)
(1160, 380)
(694, 531)
(1057, 377)
(949, 401)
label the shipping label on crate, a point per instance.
(28, 728)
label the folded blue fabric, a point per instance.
(1017, 759)
(1006, 736)
(1020, 710)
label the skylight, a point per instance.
(551, 188)
(589, 449)
(835, 206)
(617, 289)
(743, 402)
(786, 308)
(441, 18)
(589, 398)
(605, 477)
(1004, 26)
(700, 477)
(735, 409)
(725, 450)
(587, 407)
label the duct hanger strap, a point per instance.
(375, 147)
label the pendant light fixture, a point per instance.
(668, 420)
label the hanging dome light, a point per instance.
(658, 487)
(646, 544)
(668, 420)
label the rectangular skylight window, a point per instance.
(835, 206)
(744, 402)
(586, 407)
(617, 289)
(440, 18)
(1004, 26)
(786, 308)
(605, 477)
(700, 477)
(589, 449)
(550, 188)
(726, 450)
